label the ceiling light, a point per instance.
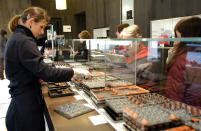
(61, 5)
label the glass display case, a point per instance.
(143, 74)
(137, 61)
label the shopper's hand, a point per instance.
(80, 73)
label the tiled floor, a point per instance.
(2, 125)
(4, 102)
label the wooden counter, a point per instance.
(80, 123)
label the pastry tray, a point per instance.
(72, 110)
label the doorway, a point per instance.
(57, 23)
(80, 22)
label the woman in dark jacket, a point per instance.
(24, 67)
(184, 67)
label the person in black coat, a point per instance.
(82, 52)
(3, 40)
(24, 67)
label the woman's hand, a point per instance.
(80, 73)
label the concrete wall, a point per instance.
(9, 8)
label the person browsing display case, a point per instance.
(24, 68)
(183, 66)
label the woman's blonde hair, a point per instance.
(32, 12)
(84, 35)
(132, 31)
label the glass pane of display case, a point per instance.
(144, 63)
(145, 74)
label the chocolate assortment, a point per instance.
(58, 85)
(190, 115)
(60, 92)
(115, 106)
(139, 109)
(149, 118)
(100, 95)
(59, 89)
(97, 73)
(150, 111)
(61, 63)
(118, 83)
(92, 84)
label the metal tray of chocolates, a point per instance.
(97, 66)
(61, 64)
(149, 118)
(94, 84)
(118, 83)
(189, 114)
(108, 78)
(181, 128)
(88, 85)
(115, 106)
(99, 95)
(97, 73)
(75, 64)
(52, 85)
(72, 110)
(82, 67)
(149, 99)
(59, 92)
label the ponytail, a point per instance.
(12, 24)
(32, 12)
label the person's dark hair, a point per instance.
(84, 35)
(120, 27)
(3, 32)
(188, 27)
(32, 12)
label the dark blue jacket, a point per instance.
(24, 67)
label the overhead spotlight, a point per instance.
(61, 5)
